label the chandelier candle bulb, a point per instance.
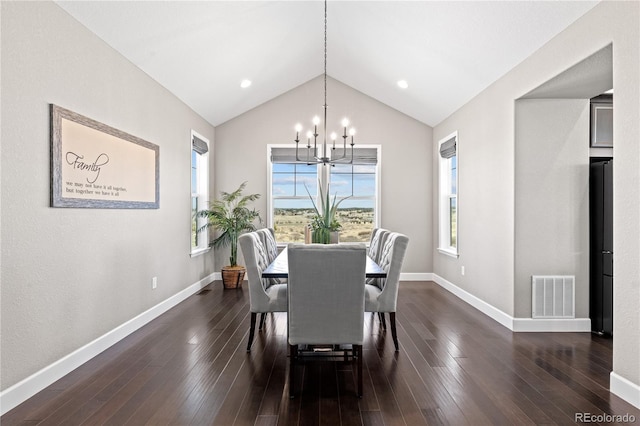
(298, 130)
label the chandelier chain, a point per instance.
(325, 73)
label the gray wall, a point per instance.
(406, 175)
(71, 275)
(552, 197)
(487, 188)
(485, 200)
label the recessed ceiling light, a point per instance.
(403, 84)
(245, 83)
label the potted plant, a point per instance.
(324, 224)
(231, 216)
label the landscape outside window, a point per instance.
(194, 200)
(356, 213)
(453, 203)
(292, 207)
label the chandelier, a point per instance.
(321, 154)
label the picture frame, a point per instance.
(97, 166)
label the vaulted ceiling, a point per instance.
(447, 51)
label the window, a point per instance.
(448, 195)
(291, 209)
(358, 181)
(199, 191)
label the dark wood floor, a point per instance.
(455, 366)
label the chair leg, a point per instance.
(358, 350)
(383, 322)
(252, 328)
(262, 317)
(392, 319)
(293, 354)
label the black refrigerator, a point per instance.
(601, 246)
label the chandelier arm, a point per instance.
(344, 148)
(297, 156)
(308, 161)
(342, 157)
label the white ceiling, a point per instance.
(448, 51)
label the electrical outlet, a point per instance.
(462, 270)
(154, 283)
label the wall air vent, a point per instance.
(553, 296)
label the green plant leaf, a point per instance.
(325, 217)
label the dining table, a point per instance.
(279, 268)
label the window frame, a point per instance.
(377, 191)
(201, 194)
(323, 176)
(445, 196)
(270, 198)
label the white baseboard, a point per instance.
(416, 276)
(479, 304)
(575, 325)
(404, 276)
(26, 388)
(625, 389)
(539, 325)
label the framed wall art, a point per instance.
(96, 166)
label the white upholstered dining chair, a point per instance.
(265, 295)
(382, 295)
(326, 299)
(268, 238)
(378, 236)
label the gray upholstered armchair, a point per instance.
(265, 295)
(268, 238)
(326, 299)
(382, 295)
(378, 236)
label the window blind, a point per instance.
(360, 155)
(448, 148)
(199, 145)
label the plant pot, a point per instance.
(325, 236)
(232, 276)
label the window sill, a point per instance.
(449, 252)
(198, 252)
